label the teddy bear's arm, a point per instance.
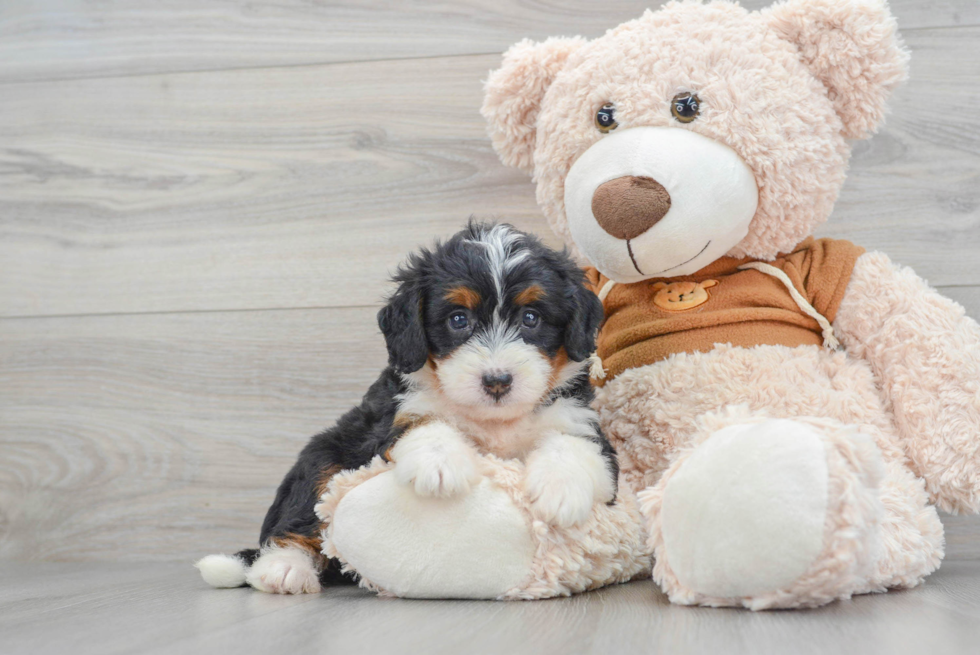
(925, 352)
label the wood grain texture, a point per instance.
(107, 608)
(266, 188)
(60, 39)
(242, 189)
(161, 437)
(164, 436)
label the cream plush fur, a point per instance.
(877, 434)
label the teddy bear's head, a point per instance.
(696, 131)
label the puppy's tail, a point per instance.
(227, 570)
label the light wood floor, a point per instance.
(199, 205)
(103, 609)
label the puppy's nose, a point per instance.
(497, 383)
(629, 206)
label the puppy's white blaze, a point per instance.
(498, 335)
(284, 571)
(436, 460)
(566, 476)
(500, 242)
(223, 571)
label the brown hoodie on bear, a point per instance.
(649, 321)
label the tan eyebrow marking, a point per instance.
(532, 294)
(463, 296)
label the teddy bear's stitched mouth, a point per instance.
(633, 259)
(629, 249)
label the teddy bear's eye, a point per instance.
(605, 118)
(685, 107)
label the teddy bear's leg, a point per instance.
(770, 513)
(911, 532)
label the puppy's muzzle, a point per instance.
(629, 206)
(497, 384)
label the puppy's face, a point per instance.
(492, 321)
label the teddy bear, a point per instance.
(790, 411)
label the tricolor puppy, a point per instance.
(488, 339)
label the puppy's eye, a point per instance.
(531, 318)
(459, 321)
(685, 107)
(605, 118)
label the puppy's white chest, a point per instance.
(511, 440)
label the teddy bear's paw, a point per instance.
(435, 460)
(777, 513)
(284, 571)
(478, 545)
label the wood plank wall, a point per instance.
(200, 203)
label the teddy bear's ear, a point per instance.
(514, 93)
(853, 47)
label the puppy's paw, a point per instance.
(565, 477)
(284, 571)
(439, 474)
(436, 461)
(560, 497)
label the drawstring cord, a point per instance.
(596, 369)
(829, 339)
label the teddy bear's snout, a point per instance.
(626, 207)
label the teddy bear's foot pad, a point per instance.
(770, 513)
(736, 524)
(473, 546)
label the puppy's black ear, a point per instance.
(586, 317)
(401, 324)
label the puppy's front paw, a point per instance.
(560, 497)
(565, 477)
(436, 461)
(438, 474)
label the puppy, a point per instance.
(488, 338)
